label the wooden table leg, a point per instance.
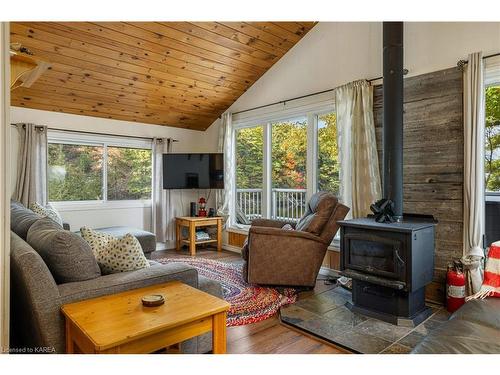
(177, 236)
(192, 239)
(219, 333)
(219, 235)
(70, 346)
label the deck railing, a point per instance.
(286, 204)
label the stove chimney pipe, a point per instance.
(393, 115)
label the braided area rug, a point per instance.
(249, 303)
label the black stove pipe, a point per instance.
(393, 115)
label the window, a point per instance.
(100, 169)
(492, 139)
(129, 173)
(282, 161)
(74, 172)
(288, 168)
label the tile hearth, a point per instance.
(325, 315)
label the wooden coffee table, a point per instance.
(119, 323)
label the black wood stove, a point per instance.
(390, 263)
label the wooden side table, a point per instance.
(196, 222)
(119, 323)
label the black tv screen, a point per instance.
(193, 171)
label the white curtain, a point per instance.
(225, 198)
(359, 169)
(163, 210)
(473, 230)
(31, 181)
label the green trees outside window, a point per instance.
(76, 172)
(492, 139)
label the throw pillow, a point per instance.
(67, 255)
(47, 211)
(21, 219)
(114, 254)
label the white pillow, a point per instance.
(47, 211)
(115, 254)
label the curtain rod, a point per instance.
(461, 63)
(405, 72)
(104, 134)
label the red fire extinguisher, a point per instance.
(455, 286)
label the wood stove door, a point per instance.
(375, 253)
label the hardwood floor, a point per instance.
(268, 336)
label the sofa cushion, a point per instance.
(318, 212)
(115, 254)
(46, 211)
(21, 219)
(67, 255)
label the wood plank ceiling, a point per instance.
(168, 73)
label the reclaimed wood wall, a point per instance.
(433, 156)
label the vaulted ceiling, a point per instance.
(178, 74)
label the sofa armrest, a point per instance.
(120, 282)
(268, 223)
(278, 232)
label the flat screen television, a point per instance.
(193, 171)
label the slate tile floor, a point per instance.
(326, 316)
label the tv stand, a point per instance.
(193, 222)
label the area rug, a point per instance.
(249, 303)
(325, 315)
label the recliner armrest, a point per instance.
(284, 233)
(269, 223)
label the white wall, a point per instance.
(334, 53)
(139, 217)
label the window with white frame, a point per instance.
(282, 159)
(92, 168)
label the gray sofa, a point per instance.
(472, 329)
(36, 298)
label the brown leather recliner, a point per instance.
(276, 256)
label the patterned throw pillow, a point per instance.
(47, 211)
(115, 254)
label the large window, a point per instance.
(98, 170)
(282, 162)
